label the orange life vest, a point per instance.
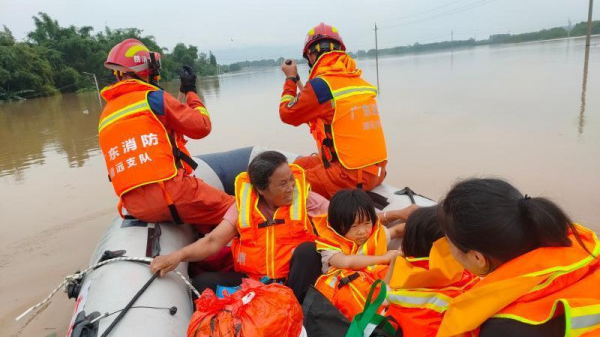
(265, 246)
(355, 136)
(137, 148)
(347, 289)
(534, 288)
(423, 287)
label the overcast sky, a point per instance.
(238, 30)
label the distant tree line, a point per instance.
(237, 66)
(579, 29)
(53, 59)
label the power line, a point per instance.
(428, 11)
(413, 15)
(405, 16)
(463, 8)
(453, 11)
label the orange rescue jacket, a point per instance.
(136, 146)
(534, 288)
(355, 136)
(347, 289)
(265, 246)
(423, 287)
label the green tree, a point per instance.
(53, 58)
(212, 59)
(6, 38)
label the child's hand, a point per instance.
(390, 255)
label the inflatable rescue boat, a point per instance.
(162, 307)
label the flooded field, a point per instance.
(519, 112)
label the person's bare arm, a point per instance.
(357, 262)
(397, 231)
(389, 217)
(197, 251)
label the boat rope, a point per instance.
(80, 274)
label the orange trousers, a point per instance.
(327, 181)
(197, 202)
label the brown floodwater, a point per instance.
(520, 112)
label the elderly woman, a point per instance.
(269, 227)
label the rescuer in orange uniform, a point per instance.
(541, 270)
(141, 134)
(340, 109)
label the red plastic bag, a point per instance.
(256, 310)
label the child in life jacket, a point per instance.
(354, 250)
(423, 280)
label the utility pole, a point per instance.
(97, 87)
(589, 31)
(585, 69)
(452, 50)
(377, 60)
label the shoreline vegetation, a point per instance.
(55, 59)
(576, 30)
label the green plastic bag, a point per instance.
(365, 323)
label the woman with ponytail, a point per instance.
(540, 274)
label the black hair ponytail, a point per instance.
(546, 222)
(493, 217)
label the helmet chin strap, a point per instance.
(320, 48)
(310, 64)
(126, 75)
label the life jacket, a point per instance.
(534, 288)
(422, 289)
(355, 136)
(137, 147)
(264, 246)
(347, 289)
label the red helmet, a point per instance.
(322, 32)
(130, 56)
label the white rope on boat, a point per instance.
(79, 275)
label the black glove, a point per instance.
(188, 79)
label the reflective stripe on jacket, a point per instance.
(265, 246)
(355, 136)
(135, 144)
(422, 289)
(347, 289)
(533, 288)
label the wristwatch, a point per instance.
(294, 79)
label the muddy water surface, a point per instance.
(511, 111)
